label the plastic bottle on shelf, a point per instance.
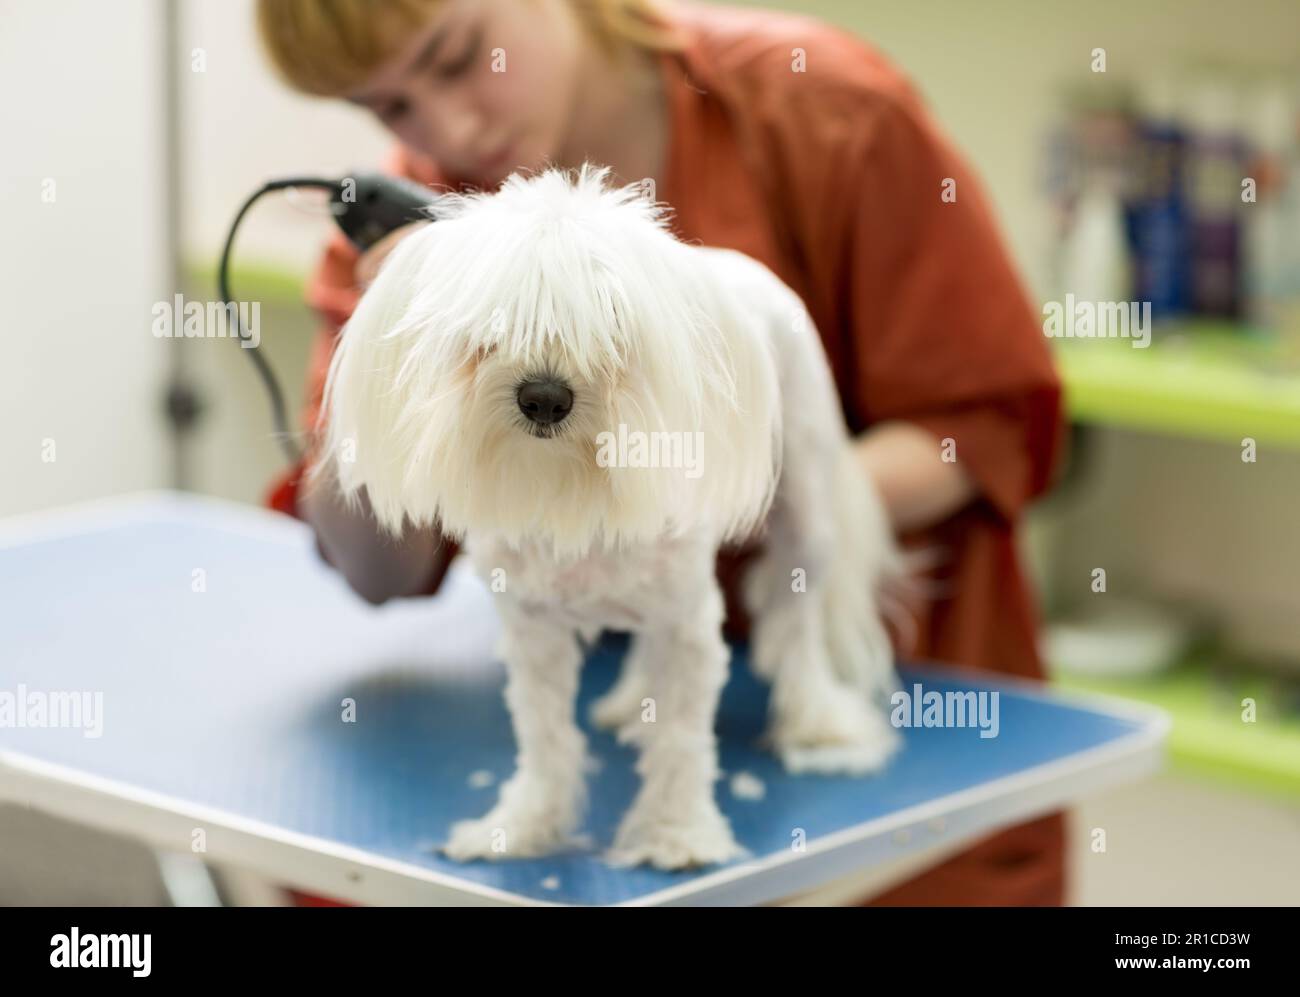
(1215, 168)
(1270, 224)
(1161, 218)
(1090, 175)
(1094, 259)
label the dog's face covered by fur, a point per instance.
(486, 371)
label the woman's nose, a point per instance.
(455, 122)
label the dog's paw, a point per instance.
(503, 835)
(865, 758)
(669, 842)
(847, 736)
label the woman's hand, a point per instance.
(918, 487)
(378, 567)
(368, 264)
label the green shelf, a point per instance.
(1208, 736)
(1205, 380)
(250, 281)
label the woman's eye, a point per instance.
(394, 110)
(463, 61)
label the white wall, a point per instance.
(243, 127)
(78, 276)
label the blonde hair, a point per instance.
(329, 47)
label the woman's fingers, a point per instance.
(369, 262)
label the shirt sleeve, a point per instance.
(332, 294)
(936, 326)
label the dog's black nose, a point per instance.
(545, 402)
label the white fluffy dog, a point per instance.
(595, 407)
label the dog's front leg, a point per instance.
(675, 821)
(541, 805)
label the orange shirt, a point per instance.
(803, 147)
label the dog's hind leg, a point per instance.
(817, 633)
(819, 721)
(620, 709)
(541, 805)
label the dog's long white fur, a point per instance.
(561, 275)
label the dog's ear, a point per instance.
(729, 393)
(362, 406)
(742, 461)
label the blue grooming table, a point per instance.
(224, 652)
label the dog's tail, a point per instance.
(867, 575)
